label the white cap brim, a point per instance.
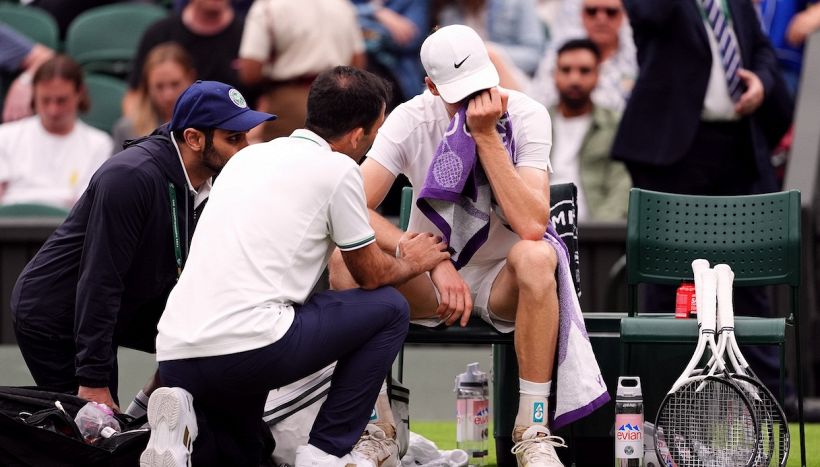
(457, 90)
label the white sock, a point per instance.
(139, 406)
(382, 414)
(532, 403)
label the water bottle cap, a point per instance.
(472, 377)
(629, 387)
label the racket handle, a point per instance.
(725, 309)
(698, 265)
(708, 299)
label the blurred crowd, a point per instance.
(578, 58)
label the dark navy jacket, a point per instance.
(663, 112)
(104, 275)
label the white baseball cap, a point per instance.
(456, 60)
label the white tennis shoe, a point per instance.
(173, 429)
(535, 447)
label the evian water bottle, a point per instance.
(472, 413)
(629, 423)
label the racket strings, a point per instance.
(774, 429)
(710, 426)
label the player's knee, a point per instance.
(536, 259)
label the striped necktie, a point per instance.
(727, 46)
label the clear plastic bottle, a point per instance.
(93, 419)
(472, 413)
(629, 423)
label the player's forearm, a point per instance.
(387, 234)
(523, 207)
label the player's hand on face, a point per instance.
(423, 250)
(484, 110)
(455, 300)
(98, 395)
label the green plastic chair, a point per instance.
(105, 39)
(37, 24)
(757, 235)
(106, 100)
(32, 210)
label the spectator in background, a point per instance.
(777, 16)
(603, 23)
(240, 6)
(393, 32)
(583, 134)
(19, 54)
(514, 36)
(208, 30)
(168, 71)
(49, 157)
(285, 45)
(803, 24)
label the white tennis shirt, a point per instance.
(275, 214)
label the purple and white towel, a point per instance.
(456, 192)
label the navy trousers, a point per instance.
(362, 330)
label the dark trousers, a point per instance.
(362, 330)
(50, 359)
(719, 163)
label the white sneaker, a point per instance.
(173, 429)
(376, 447)
(309, 455)
(535, 447)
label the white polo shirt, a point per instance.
(412, 132)
(274, 216)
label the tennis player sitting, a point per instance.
(478, 159)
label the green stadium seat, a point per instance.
(35, 23)
(757, 235)
(106, 100)
(105, 39)
(32, 210)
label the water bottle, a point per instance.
(96, 420)
(629, 423)
(472, 413)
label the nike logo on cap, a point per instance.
(461, 62)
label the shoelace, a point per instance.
(531, 447)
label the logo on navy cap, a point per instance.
(236, 98)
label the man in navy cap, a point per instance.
(102, 279)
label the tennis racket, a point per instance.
(775, 440)
(706, 420)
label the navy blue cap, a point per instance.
(211, 104)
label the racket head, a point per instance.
(775, 439)
(707, 421)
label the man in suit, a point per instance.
(693, 122)
(702, 114)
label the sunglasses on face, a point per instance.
(611, 11)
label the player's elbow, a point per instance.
(532, 231)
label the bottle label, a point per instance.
(472, 416)
(629, 436)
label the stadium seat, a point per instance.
(757, 235)
(106, 96)
(32, 210)
(105, 39)
(35, 23)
